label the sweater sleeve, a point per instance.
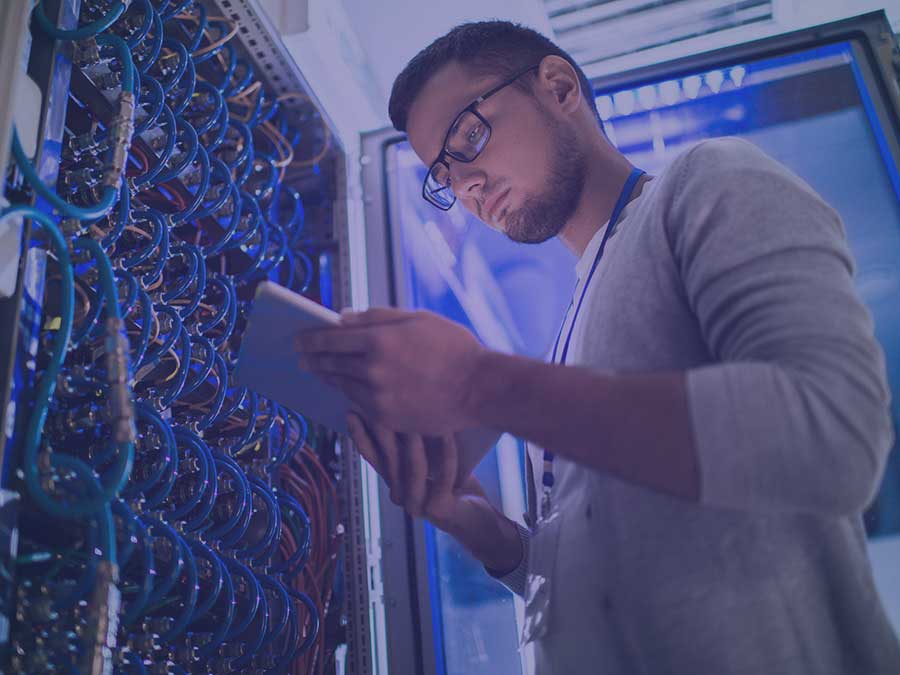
(515, 579)
(794, 413)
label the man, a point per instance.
(715, 415)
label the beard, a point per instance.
(542, 216)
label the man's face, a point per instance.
(528, 179)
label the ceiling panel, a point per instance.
(596, 30)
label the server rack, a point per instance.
(28, 640)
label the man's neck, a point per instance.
(606, 175)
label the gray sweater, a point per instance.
(730, 268)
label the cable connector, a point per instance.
(103, 621)
(120, 134)
(45, 471)
(107, 81)
(84, 142)
(86, 52)
(121, 407)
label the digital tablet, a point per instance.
(268, 362)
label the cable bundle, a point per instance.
(180, 520)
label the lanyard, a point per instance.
(548, 478)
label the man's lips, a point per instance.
(494, 204)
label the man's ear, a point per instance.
(559, 82)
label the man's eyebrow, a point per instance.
(447, 131)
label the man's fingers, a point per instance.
(443, 458)
(357, 391)
(373, 316)
(343, 365)
(355, 334)
(334, 341)
(416, 474)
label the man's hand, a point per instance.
(421, 474)
(411, 371)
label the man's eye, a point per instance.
(474, 134)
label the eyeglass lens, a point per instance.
(437, 186)
(466, 140)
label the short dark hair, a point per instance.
(485, 47)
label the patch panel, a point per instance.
(168, 521)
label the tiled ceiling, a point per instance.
(593, 31)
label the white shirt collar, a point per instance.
(583, 266)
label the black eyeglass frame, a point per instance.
(445, 152)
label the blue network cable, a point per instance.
(138, 256)
(254, 636)
(218, 103)
(123, 53)
(291, 513)
(84, 32)
(195, 276)
(189, 599)
(271, 261)
(175, 8)
(193, 447)
(198, 376)
(187, 213)
(125, 545)
(85, 505)
(187, 156)
(250, 606)
(208, 600)
(110, 194)
(170, 315)
(164, 582)
(225, 615)
(156, 98)
(179, 105)
(228, 469)
(230, 66)
(88, 323)
(152, 48)
(148, 13)
(65, 598)
(221, 128)
(146, 324)
(122, 214)
(262, 549)
(170, 393)
(212, 416)
(314, 617)
(151, 175)
(166, 452)
(223, 189)
(195, 39)
(279, 623)
(146, 573)
(216, 283)
(245, 79)
(169, 81)
(243, 159)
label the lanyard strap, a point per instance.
(548, 478)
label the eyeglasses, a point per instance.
(465, 139)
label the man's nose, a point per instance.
(468, 180)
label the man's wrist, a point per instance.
(492, 538)
(509, 557)
(479, 388)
